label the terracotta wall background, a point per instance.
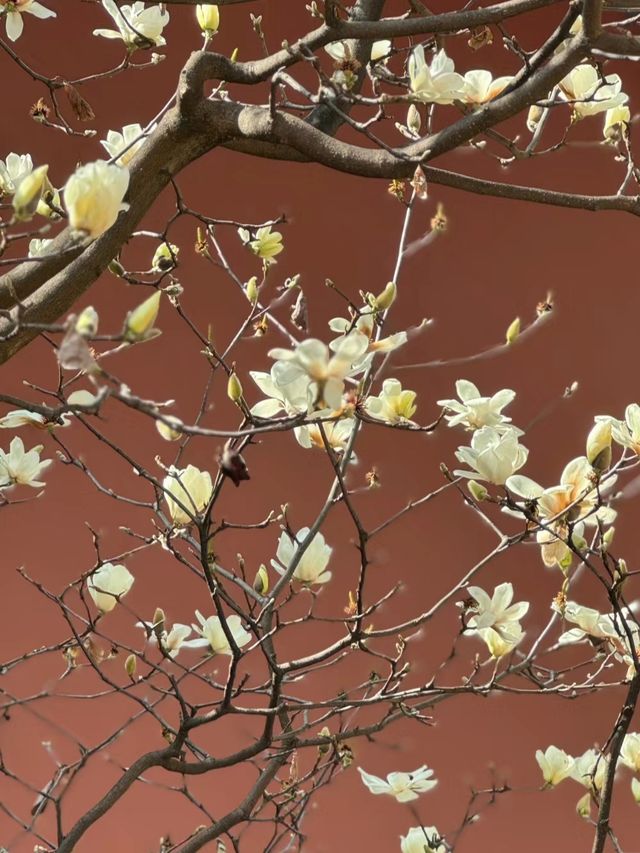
(497, 260)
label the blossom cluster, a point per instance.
(589, 769)
(321, 381)
(404, 788)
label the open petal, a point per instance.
(14, 25)
(476, 592)
(108, 34)
(40, 11)
(502, 596)
(524, 487)
(374, 783)
(466, 390)
(267, 408)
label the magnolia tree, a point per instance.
(229, 665)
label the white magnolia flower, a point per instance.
(130, 138)
(93, 197)
(589, 622)
(213, 635)
(403, 786)
(189, 488)
(635, 789)
(137, 26)
(473, 410)
(365, 324)
(13, 11)
(630, 752)
(342, 50)
(493, 456)
(290, 397)
(480, 86)
(337, 433)
(590, 769)
(593, 92)
(393, 404)
(20, 467)
(574, 500)
(267, 244)
(208, 17)
(607, 627)
(627, 432)
(23, 417)
(422, 839)
(313, 563)
(170, 641)
(38, 248)
(495, 620)
(13, 170)
(107, 584)
(555, 764)
(326, 371)
(436, 83)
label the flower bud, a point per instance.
(27, 196)
(599, 446)
(234, 388)
(208, 16)
(534, 116)
(165, 257)
(635, 789)
(607, 538)
(324, 748)
(579, 542)
(251, 289)
(261, 580)
(131, 665)
(87, 322)
(139, 322)
(169, 431)
(116, 268)
(345, 754)
(583, 806)
(616, 123)
(478, 491)
(414, 121)
(158, 619)
(513, 332)
(49, 200)
(621, 571)
(386, 299)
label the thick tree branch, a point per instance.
(131, 775)
(239, 814)
(324, 116)
(617, 45)
(592, 18)
(47, 289)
